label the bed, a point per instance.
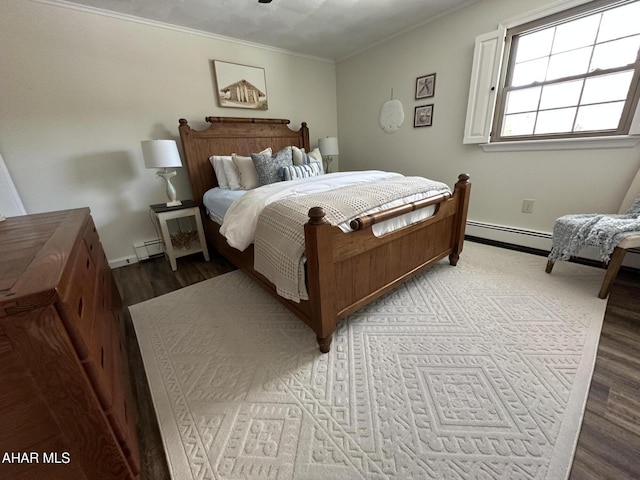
(344, 271)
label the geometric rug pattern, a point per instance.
(479, 371)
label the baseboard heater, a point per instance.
(148, 249)
(533, 239)
(513, 235)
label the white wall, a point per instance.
(79, 91)
(561, 182)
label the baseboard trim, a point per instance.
(123, 262)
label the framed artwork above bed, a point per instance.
(240, 86)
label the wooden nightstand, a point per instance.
(178, 243)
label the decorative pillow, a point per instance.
(247, 170)
(298, 155)
(217, 162)
(315, 155)
(233, 176)
(268, 167)
(295, 172)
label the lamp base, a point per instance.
(171, 191)
(328, 167)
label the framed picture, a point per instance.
(423, 116)
(240, 86)
(426, 86)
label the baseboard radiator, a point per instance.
(148, 249)
(533, 239)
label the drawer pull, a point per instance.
(80, 307)
(102, 358)
(88, 264)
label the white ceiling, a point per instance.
(332, 29)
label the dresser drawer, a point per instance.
(125, 415)
(122, 420)
(119, 413)
(92, 241)
(77, 305)
(100, 364)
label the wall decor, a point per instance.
(423, 116)
(426, 86)
(240, 86)
(391, 115)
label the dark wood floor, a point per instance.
(609, 443)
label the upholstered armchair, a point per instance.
(586, 227)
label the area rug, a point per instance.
(479, 371)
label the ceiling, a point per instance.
(332, 29)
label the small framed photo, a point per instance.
(423, 116)
(426, 86)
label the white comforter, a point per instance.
(240, 221)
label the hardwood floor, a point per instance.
(609, 443)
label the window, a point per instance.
(573, 74)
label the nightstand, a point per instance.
(178, 243)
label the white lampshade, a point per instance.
(328, 146)
(160, 154)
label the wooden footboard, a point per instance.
(346, 271)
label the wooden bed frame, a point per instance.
(345, 271)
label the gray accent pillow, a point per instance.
(268, 167)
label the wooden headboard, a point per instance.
(228, 135)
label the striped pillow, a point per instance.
(295, 172)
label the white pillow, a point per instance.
(316, 156)
(227, 172)
(232, 174)
(247, 170)
(217, 162)
(298, 155)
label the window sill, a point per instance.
(620, 141)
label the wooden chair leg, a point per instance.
(614, 265)
(549, 266)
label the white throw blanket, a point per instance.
(573, 232)
(279, 240)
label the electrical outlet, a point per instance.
(527, 205)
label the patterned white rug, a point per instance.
(479, 371)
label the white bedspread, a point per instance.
(240, 221)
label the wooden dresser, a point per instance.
(66, 405)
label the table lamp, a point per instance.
(328, 148)
(163, 154)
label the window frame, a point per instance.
(508, 61)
